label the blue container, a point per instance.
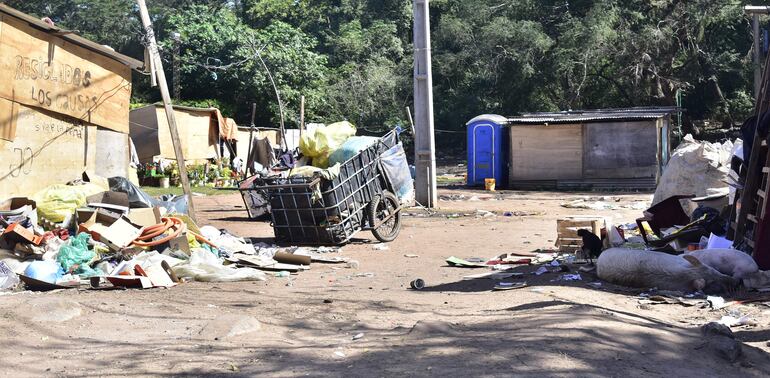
(488, 150)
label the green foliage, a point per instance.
(352, 59)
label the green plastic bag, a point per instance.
(57, 202)
(321, 142)
(76, 252)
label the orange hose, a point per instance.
(169, 224)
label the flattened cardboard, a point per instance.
(180, 243)
(144, 217)
(115, 233)
(158, 276)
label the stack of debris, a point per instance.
(107, 234)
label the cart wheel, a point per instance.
(380, 208)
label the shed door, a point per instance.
(484, 154)
(552, 152)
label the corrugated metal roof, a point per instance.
(588, 116)
(70, 36)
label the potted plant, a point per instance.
(172, 171)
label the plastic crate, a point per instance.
(257, 201)
(317, 211)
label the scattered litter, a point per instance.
(380, 247)
(570, 277)
(492, 276)
(417, 284)
(8, 279)
(731, 321)
(509, 286)
(455, 261)
(353, 264)
(339, 354)
(716, 303)
(367, 275)
(411, 256)
(485, 214)
(541, 270)
(358, 336)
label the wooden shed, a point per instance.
(593, 149)
(198, 132)
(204, 134)
(64, 103)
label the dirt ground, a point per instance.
(338, 321)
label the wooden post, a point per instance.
(249, 167)
(163, 84)
(411, 121)
(757, 55)
(301, 115)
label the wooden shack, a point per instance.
(198, 132)
(593, 149)
(64, 103)
(203, 132)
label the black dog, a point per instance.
(592, 244)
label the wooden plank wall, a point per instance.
(546, 152)
(112, 153)
(53, 149)
(41, 70)
(193, 134)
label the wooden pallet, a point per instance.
(568, 240)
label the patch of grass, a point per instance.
(442, 180)
(177, 190)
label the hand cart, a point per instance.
(317, 211)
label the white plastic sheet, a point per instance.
(204, 266)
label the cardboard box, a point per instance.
(116, 233)
(19, 207)
(114, 201)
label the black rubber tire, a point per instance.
(380, 208)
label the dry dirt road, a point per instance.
(365, 322)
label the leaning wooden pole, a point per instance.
(161, 76)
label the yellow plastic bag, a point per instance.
(57, 202)
(321, 142)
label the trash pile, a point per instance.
(681, 242)
(109, 234)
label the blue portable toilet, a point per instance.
(488, 150)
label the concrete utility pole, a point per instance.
(424, 140)
(157, 65)
(755, 11)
